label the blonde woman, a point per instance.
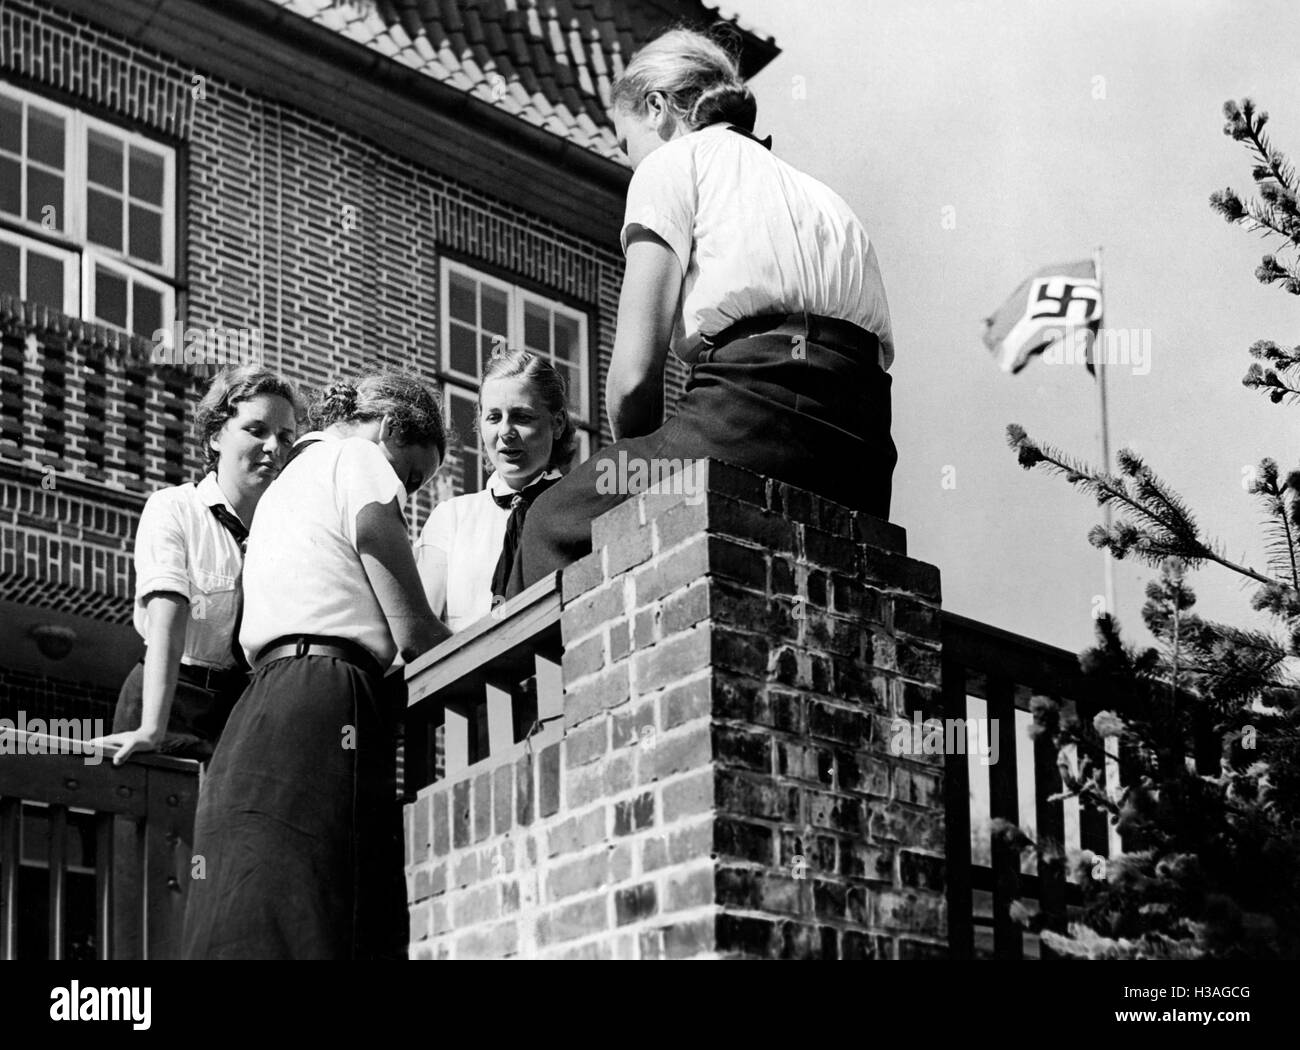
(466, 550)
(758, 277)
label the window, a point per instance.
(480, 312)
(87, 215)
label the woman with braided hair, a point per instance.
(297, 822)
(760, 278)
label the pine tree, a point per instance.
(1208, 720)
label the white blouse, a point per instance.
(754, 236)
(302, 574)
(468, 533)
(181, 548)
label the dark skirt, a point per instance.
(299, 825)
(194, 725)
(804, 401)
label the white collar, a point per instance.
(209, 491)
(496, 485)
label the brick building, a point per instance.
(331, 185)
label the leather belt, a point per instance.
(814, 327)
(213, 679)
(297, 646)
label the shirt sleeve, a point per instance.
(440, 528)
(662, 198)
(363, 476)
(161, 550)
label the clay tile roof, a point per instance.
(547, 62)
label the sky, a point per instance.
(980, 140)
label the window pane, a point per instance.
(9, 269)
(44, 280)
(466, 427)
(147, 315)
(10, 186)
(537, 328)
(462, 293)
(11, 124)
(146, 176)
(495, 306)
(487, 343)
(45, 191)
(463, 357)
(566, 338)
(104, 160)
(45, 136)
(110, 297)
(104, 219)
(146, 234)
(570, 376)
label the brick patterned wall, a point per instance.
(724, 786)
(66, 551)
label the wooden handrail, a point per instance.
(487, 686)
(498, 646)
(144, 825)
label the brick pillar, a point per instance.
(735, 654)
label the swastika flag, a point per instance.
(1057, 304)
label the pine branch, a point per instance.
(1106, 488)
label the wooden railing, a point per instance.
(488, 692)
(991, 673)
(115, 851)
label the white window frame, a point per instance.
(167, 268)
(71, 238)
(90, 260)
(457, 393)
(517, 296)
(71, 269)
(67, 230)
(462, 385)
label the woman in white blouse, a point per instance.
(298, 819)
(466, 550)
(758, 277)
(188, 560)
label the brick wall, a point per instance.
(724, 786)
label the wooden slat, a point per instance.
(10, 861)
(104, 885)
(128, 888)
(500, 720)
(956, 793)
(57, 822)
(1004, 803)
(456, 742)
(1051, 839)
(173, 799)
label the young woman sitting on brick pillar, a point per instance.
(188, 559)
(298, 826)
(757, 276)
(466, 550)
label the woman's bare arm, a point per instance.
(431, 563)
(169, 616)
(389, 563)
(647, 306)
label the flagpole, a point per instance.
(1099, 359)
